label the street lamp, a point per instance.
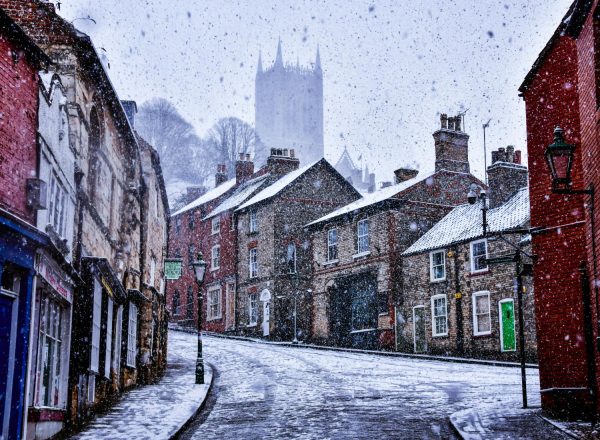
(199, 271)
(559, 156)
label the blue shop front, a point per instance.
(19, 243)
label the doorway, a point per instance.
(507, 325)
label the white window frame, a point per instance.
(253, 220)
(215, 257)
(152, 271)
(109, 337)
(432, 267)
(96, 323)
(252, 309)
(476, 295)
(210, 316)
(57, 205)
(215, 225)
(473, 243)
(332, 245)
(116, 357)
(132, 335)
(253, 263)
(291, 268)
(434, 317)
(361, 237)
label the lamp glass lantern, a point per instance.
(199, 268)
(559, 156)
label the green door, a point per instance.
(507, 320)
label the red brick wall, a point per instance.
(18, 127)
(551, 99)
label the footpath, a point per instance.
(161, 410)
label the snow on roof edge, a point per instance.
(207, 196)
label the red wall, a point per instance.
(18, 127)
(551, 99)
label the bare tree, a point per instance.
(231, 137)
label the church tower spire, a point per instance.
(279, 57)
(318, 61)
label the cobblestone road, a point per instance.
(271, 392)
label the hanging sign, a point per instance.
(173, 268)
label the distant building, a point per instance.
(360, 178)
(289, 108)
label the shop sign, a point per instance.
(173, 269)
(55, 278)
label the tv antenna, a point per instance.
(486, 125)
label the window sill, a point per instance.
(252, 233)
(482, 335)
(330, 262)
(384, 314)
(443, 335)
(479, 272)
(251, 325)
(361, 254)
(353, 332)
(216, 318)
(213, 269)
(437, 281)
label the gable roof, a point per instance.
(390, 192)
(239, 196)
(207, 196)
(463, 223)
(278, 185)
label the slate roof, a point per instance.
(207, 196)
(380, 195)
(240, 195)
(277, 186)
(463, 223)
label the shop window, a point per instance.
(132, 335)
(11, 279)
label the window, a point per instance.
(252, 309)
(57, 206)
(11, 280)
(215, 257)
(363, 236)
(291, 258)
(189, 307)
(482, 320)
(91, 389)
(439, 314)
(191, 217)
(50, 367)
(214, 303)
(253, 263)
(152, 271)
(478, 256)
(176, 302)
(191, 254)
(253, 221)
(216, 224)
(116, 357)
(437, 265)
(109, 336)
(96, 316)
(332, 245)
(178, 225)
(132, 336)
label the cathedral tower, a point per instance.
(289, 108)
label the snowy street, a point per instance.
(268, 391)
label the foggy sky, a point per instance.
(389, 67)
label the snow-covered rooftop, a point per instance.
(239, 196)
(278, 186)
(371, 198)
(207, 196)
(463, 223)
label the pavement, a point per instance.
(161, 410)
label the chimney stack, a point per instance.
(193, 192)
(404, 174)
(451, 145)
(282, 161)
(506, 175)
(244, 168)
(130, 108)
(221, 175)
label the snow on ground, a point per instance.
(156, 411)
(268, 391)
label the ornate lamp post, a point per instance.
(199, 271)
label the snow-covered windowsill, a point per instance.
(330, 262)
(361, 254)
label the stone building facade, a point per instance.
(453, 302)
(275, 257)
(357, 265)
(109, 325)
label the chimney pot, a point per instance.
(517, 159)
(292, 153)
(444, 120)
(247, 156)
(457, 121)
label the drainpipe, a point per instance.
(460, 343)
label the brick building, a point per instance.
(453, 302)
(357, 265)
(562, 90)
(90, 155)
(274, 254)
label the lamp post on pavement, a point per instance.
(199, 271)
